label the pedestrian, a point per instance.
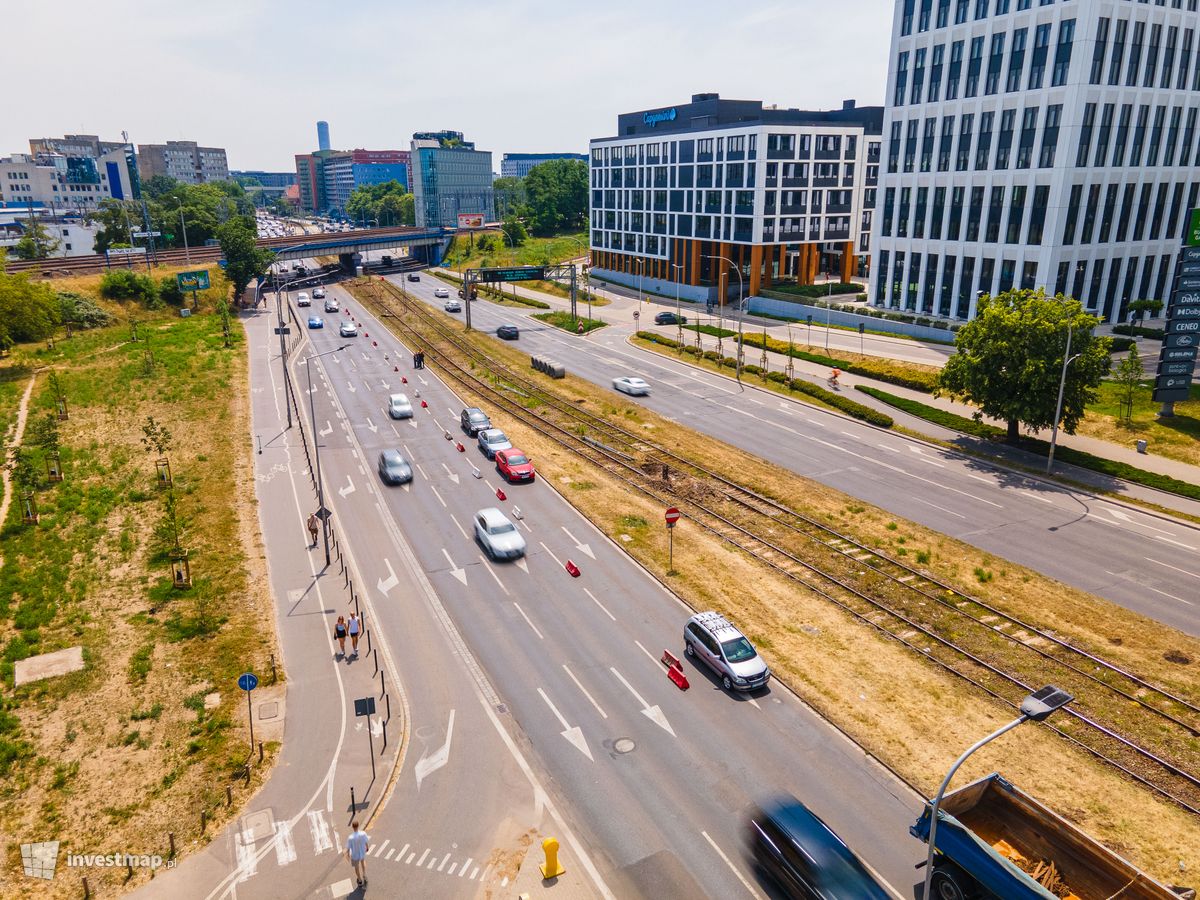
(313, 527)
(339, 632)
(579, 328)
(357, 847)
(354, 627)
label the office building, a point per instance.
(61, 183)
(77, 145)
(276, 180)
(184, 161)
(781, 194)
(1049, 145)
(450, 178)
(517, 165)
(323, 136)
(344, 171)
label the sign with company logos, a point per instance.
(1192, 237)
(1177, 359)
(470, 220)
(1178, 354)
(1181, 340)
(662, 115)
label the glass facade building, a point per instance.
(450, 177)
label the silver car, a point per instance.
(399, 407)
(491, 440)
(497, 535)
(716, 642)
(394, 468)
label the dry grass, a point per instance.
(867, 684)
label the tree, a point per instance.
(1129, 376)
(556, 196)
(387, 203)
(29, 310)
(36, 242)
(1138, 308)
(515, 231)
(155, 436)
(1010, 356)
(509, 194)
(244, 261)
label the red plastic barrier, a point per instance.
(424, 405)
(374, 343)
(573, 569)
(500, 495)
(674, 669)
(403, 380)
(461, 448)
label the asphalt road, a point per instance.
(1146, 563)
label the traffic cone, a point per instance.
(573, 569)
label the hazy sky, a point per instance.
(253, 76)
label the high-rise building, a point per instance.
(1050, 145)
(184, 161)
(344, 171)
(780, 194)
(517, 165)
(450, 178)
(323, 136)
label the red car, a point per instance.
(514, 465)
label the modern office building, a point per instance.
(310, 179)
(450, 178)
(344, 171)
(1048, 145)
(278, 180)
(184, 161)
(780, 194)
(323, 136)
(60, 183)
(517, 165)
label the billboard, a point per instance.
(470, 220)
(1177, 359)
(193, 281)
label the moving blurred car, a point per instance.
(316, 322)
(716, 642)
(318, 293)
(632, 385)
(394, 468)
(474, 420)
(497, 535)
(805, 857)
(413, 276)
(514, 465)
(491, 440)
(399, 406)
(302, 299)
(669, 318)
(452, 305)
(441, 293)
(508, 332)
(348, 329)
(332, 306)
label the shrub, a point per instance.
(1138, 331)
(1120, 344)
(122, 284)
(710, 354)
(777, 377)
(752, 369)
(846, 405)
(880, 369)
(82, 311)
(169, 292)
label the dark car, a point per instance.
(474, 420)
(413, 276)
(805, 857)
(508, 332)
(394, 468)
(669, 318)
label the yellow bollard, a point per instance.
(550, 868)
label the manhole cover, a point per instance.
(623, 745)
(268, 710)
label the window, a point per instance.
(943, 13)
(1037, 63)
(1072, 214)
(946, 145)
(901, 78)
(974, 64)
(956, 210)
(894, 148)
(935, 73)
(1169, 56)
(1016, 60)
(1098, 51)
(963, 161)
(960, 12)
(1103, 135)
(1160, 211)
(1037, 218)
(905, 208)
(1152, 55)
(966, 300)
(1135, 54)
(995, 211)
(935, 221)
(889, 204)
(910, 145)
(1106, 216)
(974, 214)
(1185, 59)
(906, 19)
(1085, 135)
(927, 140)
(1016, 215)
(955, 72)
(918, 82)
(1139, 136)
(947, 286)
(1160, 113)
(1139, 222)
(1118, 54)
(1050, 136)
(1189, 130)
(1062, 54)
(981, 9)
(1089, 215)
(983, 149)
(995, 62)
(1122, 134)
(923, 17)
(919, 218)
(1028, 130)
(1004, 144)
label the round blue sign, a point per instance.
(248, 681)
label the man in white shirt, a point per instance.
(357, 846)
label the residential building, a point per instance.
(517, 165)
(80, 145)
(344, 171)
(1049, 145)
(60, 183)
(450, 178)
(73, 235)
(780, 194)
(310, 178)
(184, 161)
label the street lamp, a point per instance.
(721, 303)
(312, 411)
(183, 230)
(641, 267)
(1062, 383)
(678, 320)
(1037, 707)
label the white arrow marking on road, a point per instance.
(391, 581)
(413, 422)
(450, 472)
(653, 713)
(374, 428)
(285, 847)
(422, 380)
(458, 573)
(427, 765)
(319, 829)
(386, 386)
(574, 735)
(349, 489)
(328, 429)
(353, 389)
(582, 548)
(376, 725)
(522, 565)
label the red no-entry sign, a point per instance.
(672, 516)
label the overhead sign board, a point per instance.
(193, 281)
(470, 220)
(1177, 359)
(513, 273)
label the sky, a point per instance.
(254, 76)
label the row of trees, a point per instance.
(33, 310)
(171, 207)
(387, 204)
(552, 198)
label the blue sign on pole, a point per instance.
(248, 681)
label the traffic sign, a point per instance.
(512, 273)
(125, 251)
(323, 513)
(672, 516)
(282, 330)
(248, 681)
(364, 706)
(147, 234)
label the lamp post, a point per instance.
(312, 411)
(1035, 708)
(283, 347)
(721, 303)
(587, 254)
(187, 253)
(678, 319)
(1062, 384)
(641, 268)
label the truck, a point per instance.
(994, 840)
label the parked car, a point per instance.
(474, 420)
(498, 536)
(302, 299)
(332, 305)
(394, 468)
(386, 260)
(316, 322)
(491, 440)
(669, 318)
(514, 465)
(716, 642)
(632, 385)
(805, 856)
(319, 293)
(348, 329)
(399, 407)
(452, 305)
(441, 293)
(413, 276)
(508, 332)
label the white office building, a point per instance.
(64, 184)
(1036, 143)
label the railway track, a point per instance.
(1146, 731)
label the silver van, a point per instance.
(716, 642)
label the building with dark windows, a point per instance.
(517, 165)
(343, 172)
(184, 161)
(450, 178)
(782, 194)
(1034, 143)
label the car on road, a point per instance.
(319, 293)
(514, 465)
(413, 276)
(316, 322)
(498, 536)
(394, 468)
(631, 385)
(441, 293)
(491, 440)
(805, 857)
(452, 305)
(302, 299)
(332, 305)
(399, 406)
(386, 259)
(669, 318)
(348, 329)
(717, 643)
(508, 332)
(474, 420)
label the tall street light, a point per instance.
(587, 265)
(187, 253)
(1062, 383)
(312, 411)
(678, 318)
(641, 267)
(1037, 707)
(721, 303)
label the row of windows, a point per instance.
(947, 286)
(732, 175)
(786, 145)
(923, 146)
(1150, 138)
(948, 70)
(1113, 64)
(18, 176)
(1124, 211)
(611, 234)
(980, 9)
(729, 202)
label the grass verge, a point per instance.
(563, 320)
(1175, 438)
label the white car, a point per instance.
(318, 293)
(632, 385)
(302, 299)
(441, 293)
(497, 535)
(332, 306)
(452, 305)
(399, 406)
(348, 329)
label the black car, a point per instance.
(508, 332)
(805, 857)
(669, 318)
(413, 276)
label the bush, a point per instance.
(81, 311)
(880, 369)
(169, 292)
(1138, 331)
(846, 405)
(122, 284)
(815, 291)
(1120, 344)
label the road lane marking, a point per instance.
(436, 494)
(461, 530)
(451, 473)
(887, 448)
(378, 851)
(328, 429)
(427, 765)
(599, 604)
(465, 866)
(552, 556)
(423, 855)
(1169, 566)
(458, 573)
(445, 859)
(573, 734)
(349, 489)
(400, 855)
(657, 662)
(285, 846)
(390, 582)
(372, 426)
(390, 853)
(732, 867)
(1122, 577)
(942, 508)
(483, 562)
(571, 674)
(419, 469)
(582, 548)
(653, 713)
(350, 385)
(1159, 537)
(318, 828)
(529, 621)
